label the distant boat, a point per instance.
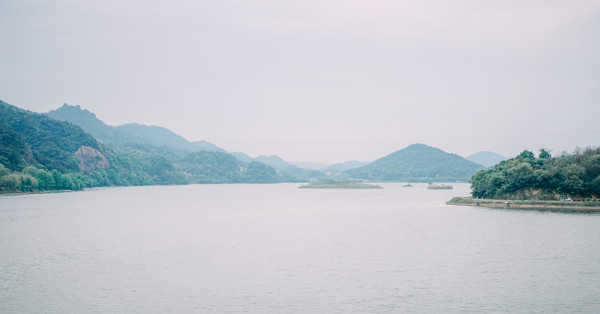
(407, 185)
(440, 187)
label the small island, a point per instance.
(439, 187)
(337, 184)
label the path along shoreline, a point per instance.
(585, 206)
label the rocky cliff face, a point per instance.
(90, 158)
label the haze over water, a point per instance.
(276, 248)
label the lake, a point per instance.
(280, 249)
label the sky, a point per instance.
(322, 81)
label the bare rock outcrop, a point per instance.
(90, 158)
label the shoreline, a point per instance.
(557, 206)
(38, 192)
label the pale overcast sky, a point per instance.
(324, 81)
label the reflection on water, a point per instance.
(277, 248)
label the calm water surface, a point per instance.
(277, 248)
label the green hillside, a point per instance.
(275, 162)
(150, 134)
(28, 138)
(417, 163)
(219, 167)
(39, 153)
(89, 123)
(164, 142)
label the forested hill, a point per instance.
(28, 138)
(39, 153)
(131, 133)
(161, 140)
(287, 171)
(417, 163)
(574, 175)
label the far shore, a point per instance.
(578, 206)
(340, 186)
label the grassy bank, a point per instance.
(578, 206)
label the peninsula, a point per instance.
(568, 182)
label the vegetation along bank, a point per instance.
(565, 182)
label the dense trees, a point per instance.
(219, 167)
(30, 138)
(574, 175)
(211, 167)
(37, 179)
(37, 153)
(257, 172)
(136, 167)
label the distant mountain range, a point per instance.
(327, 168)
(38, 152)
(417, 163)
(287, 170)
(131, 133)
(73, 140)
(343, 166)
(486, 159)
(311, 165)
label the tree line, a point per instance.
(575, 175)
(136, 167)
